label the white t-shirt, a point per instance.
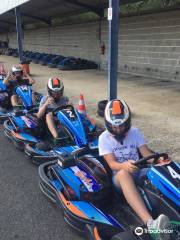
(123, 152)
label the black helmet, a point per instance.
(117, 114)
(55, 86)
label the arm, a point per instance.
(7, 79)
(30, 79)
(146, 151)
(43, 107)
(42, 110)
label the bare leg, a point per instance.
(34, 98)
(14, 100)
(125, 180)
(51, 125)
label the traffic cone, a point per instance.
(81, 106)
(2, 69)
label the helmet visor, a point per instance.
(56, 94)
(18, 73)
(118, 130)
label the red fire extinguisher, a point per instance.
(103, 48)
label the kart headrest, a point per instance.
(82, 153)
(93, 172)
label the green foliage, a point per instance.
(82, 17)
(127, 9)
(146, 5)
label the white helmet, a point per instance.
(55, 86)
(17, 69)
(117, 114)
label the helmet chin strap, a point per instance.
(18, 78)
(120, 138)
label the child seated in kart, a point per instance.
(120, 145)
(17, 77)
(54, 99)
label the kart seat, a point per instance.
(44, 146)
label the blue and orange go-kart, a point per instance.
(75, 130)
(80, 183)
(24, 94)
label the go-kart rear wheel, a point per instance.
(101, 107)
(7, 129)
(102, 104)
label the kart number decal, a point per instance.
(24, 88)
(71, 115)
(173, 173)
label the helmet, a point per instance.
(55, 87)
(117, 119)
(17, 70)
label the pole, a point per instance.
(19, 32)
(113, 17)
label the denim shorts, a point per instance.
(137, 176)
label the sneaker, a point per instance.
(160, 223)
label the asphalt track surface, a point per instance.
(25, 213)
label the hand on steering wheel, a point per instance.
(155, 157)
(164, 160)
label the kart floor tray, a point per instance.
(123, 213)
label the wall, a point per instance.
(148, 45)
(80, 40)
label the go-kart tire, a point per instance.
(100, 113)
(102, 104)
(101, 107)
(124, 236)
(7, 131)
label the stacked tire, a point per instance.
(101, 107)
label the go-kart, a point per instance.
(74, 130)
(24, 94)
(80, 183)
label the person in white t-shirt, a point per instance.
(120, 146)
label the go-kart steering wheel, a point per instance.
(54, 111)
(155, 157)
(22, 112)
